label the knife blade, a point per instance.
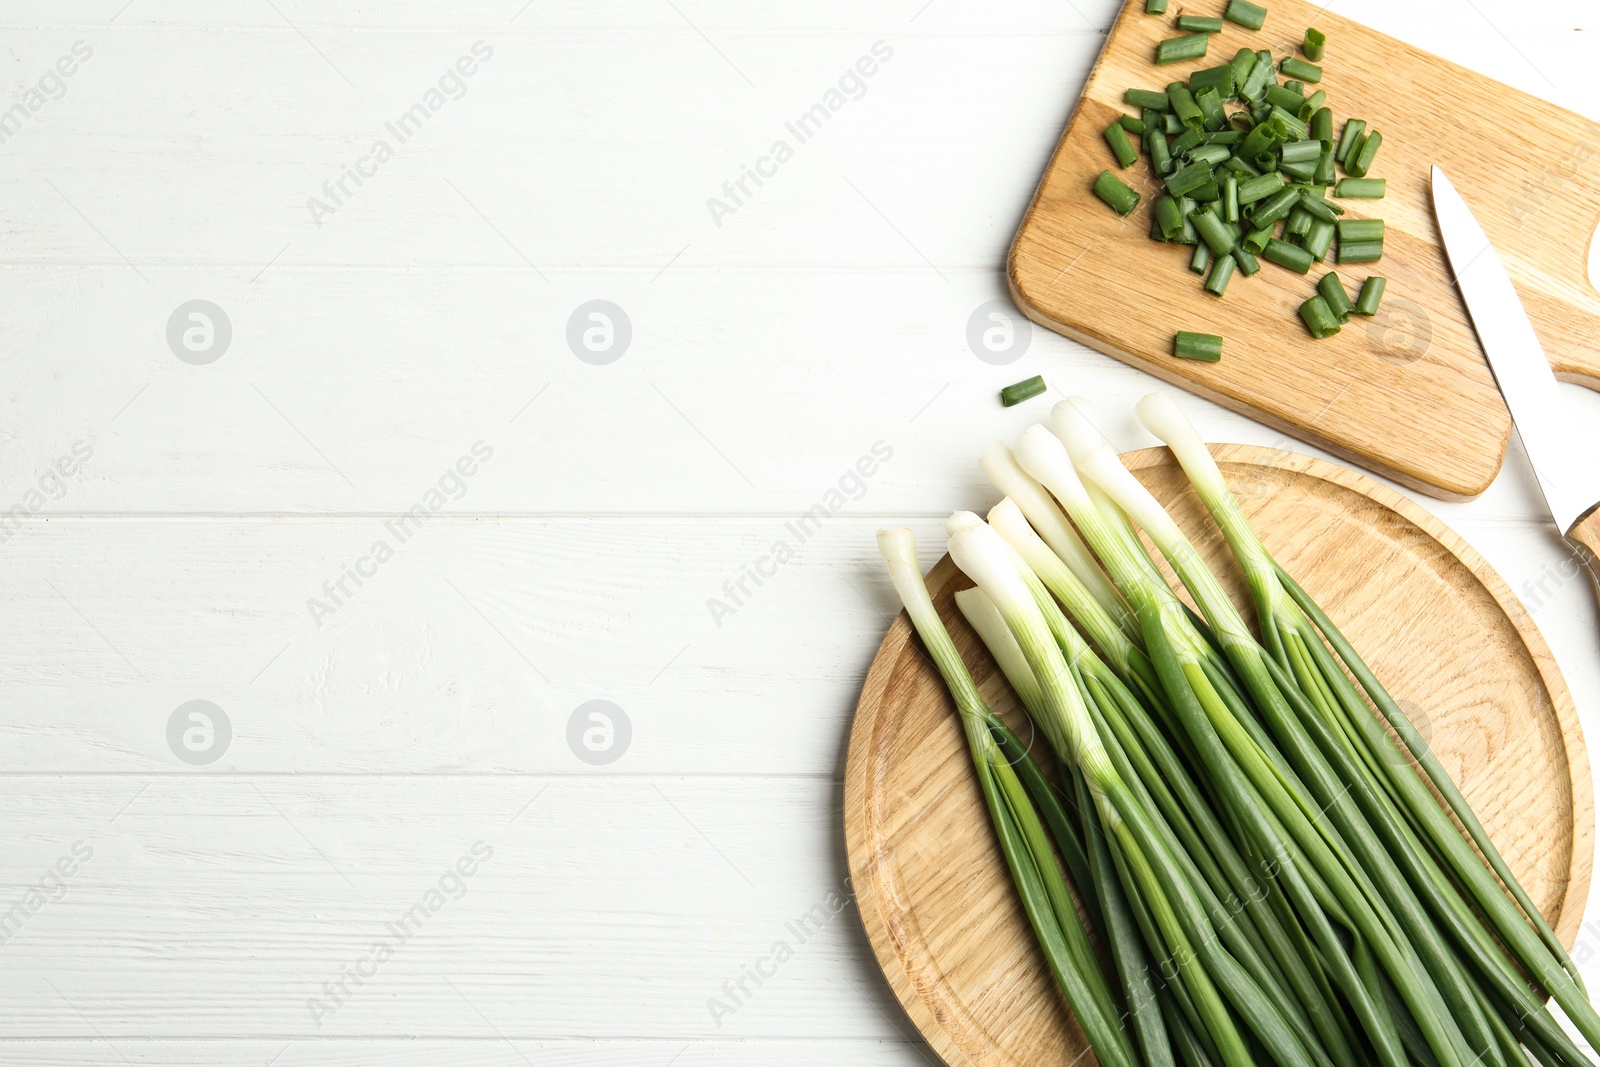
(1567, 468)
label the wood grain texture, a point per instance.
(1440, 628)
(1407, 393)
(1585, 537)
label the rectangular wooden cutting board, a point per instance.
(1407, 393)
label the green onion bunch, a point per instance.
(1246, 162)
(1274, 866)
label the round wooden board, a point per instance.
(1440, 627)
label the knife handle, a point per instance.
(1585, 537)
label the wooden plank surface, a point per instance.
(1407, 393)
(812, 323)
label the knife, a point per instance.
(1566, 465)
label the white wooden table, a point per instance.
(395, 833)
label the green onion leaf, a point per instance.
(1012, 395)
(1362, 188)
(1314, 44)
(1116, 192)
(1371, 296)
(1179, 49)
(1117, 137)
(1250, 16)
(1205, 347)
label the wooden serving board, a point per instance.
(1440, 627)
(1407, 394)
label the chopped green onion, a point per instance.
(1199, 24)
(1133, 125)
(1188, 178)
(1319, 238)
(1311, 105)
(1362, 188)
(1168, 219)
(1116, 192)
(1188, 139)
(1248, 264)
(1259, 77)
(1121, 147)
(1206, 347)
(1210, 154)
(1201, 258)
(1299, 225)
(1189, 237)
(1259, 187)
(1275, 207)
(1244, 64)
(1282, 96)
(1012, 395)
(1320, 207)
(1361, 230)
(1331, 289)
(1300, 151)
(1184, 106)
(1155, 7)
(1356, 144)
(1256, 240)
(1314, 44)
(1240, 167)
(1300, 172)
(1323, 174)
(1160, 154)
(1171, 124)
(1209, 101)
(1352, 129)
(1371, 296)
(1285, 254)
(1260, 145)
(1219, 78)
(1213, 231)
(1145, 98)
(1321, 126)
(1178, 49)
(1250, 16)
(1361, 160)
(1360, 251)
(1295, 67)
(1293, 128)
(1222, 268)
(1319, 318)
(1230, 198)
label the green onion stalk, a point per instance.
(1306, 646)
(1227, 999)
(1230, 894)
(1022, 836)
(1269, 870)
(1298, 835)
(1098, 880)
(1000, 467)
